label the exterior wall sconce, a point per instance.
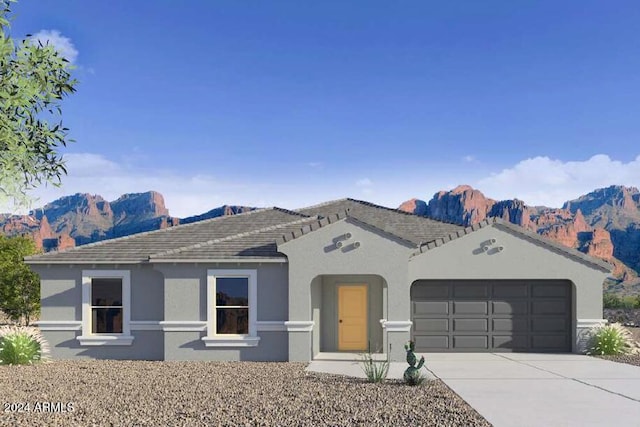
(356, 244)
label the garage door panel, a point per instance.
(431, 325)
(548, 324)
(470, 290)
(543, 306)
(501, 315)
(514, 342)
(549, 290)
(432, 342)
(470, 341)
(470, 325)
(509, 325)
(510, 307)
(470, 307)
(433, 291)
(431, 308)
(517, 290)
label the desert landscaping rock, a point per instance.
(140, 393)
(630, 359)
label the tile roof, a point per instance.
(255, 235)
(331, 219)
(407, 226)
(509, 227)
(139, 247)
(259, 243)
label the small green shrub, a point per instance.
(610, 340)
(375, 370)
(22, 346)
(610, 300)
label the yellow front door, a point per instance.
(352, 317)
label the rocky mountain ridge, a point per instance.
(85, 218)
(604, 223)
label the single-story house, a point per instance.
(344, 276)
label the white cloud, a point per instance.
(550, 182)
(62, 44)
(469, 159)
(364, 182)
(365, 185)
(185, 194)
(316, 165)
(537, 181)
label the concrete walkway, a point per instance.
(516, 389)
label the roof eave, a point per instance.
(279, 260)
(83, 262)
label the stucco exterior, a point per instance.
(519, 258)
(168, 313)
(293, 292)
(316, 255)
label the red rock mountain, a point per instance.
(604, 223)
(85, 218)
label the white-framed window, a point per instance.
(106, 307)
(231, 308)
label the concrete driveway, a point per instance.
(516, 389)
(527, 389)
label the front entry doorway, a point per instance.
(352, 317)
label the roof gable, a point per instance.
(332, 219)
(414, 228)
(251, 234)
(515, 229)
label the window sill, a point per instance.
(95, 340)
(220, 341)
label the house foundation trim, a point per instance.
(299, 325)
(583, 332)
(59, 325)
(145, 325)
(183, 325)
(396, 325)
(271, 326)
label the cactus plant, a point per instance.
(412, 374)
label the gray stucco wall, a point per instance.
(165, 292)
(185, 296)
(61, 291)
(147, 345)
(189, 346)
(61, 301)
(316, 254)
(185, 299)
(521, 258)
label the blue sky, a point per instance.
(292, 103)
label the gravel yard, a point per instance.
(218, 393)
(630, 359)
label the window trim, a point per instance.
(87, 337)
(212, 339)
